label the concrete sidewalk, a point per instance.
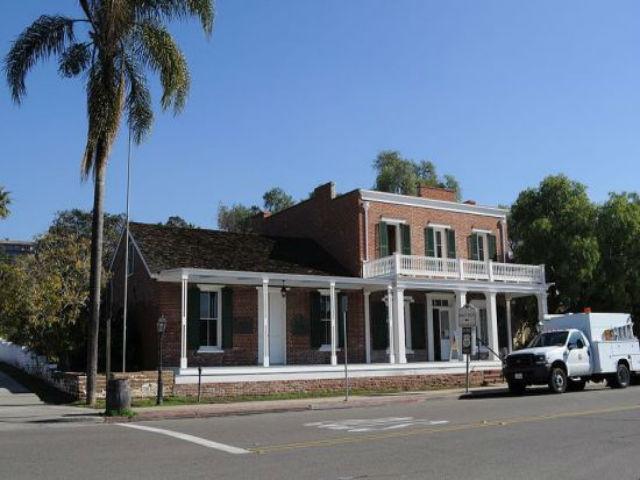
(204, 410)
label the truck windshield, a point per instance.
(549, 339)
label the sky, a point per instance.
(295, 93)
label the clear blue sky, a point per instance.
(296, 93)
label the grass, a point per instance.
(42, 389)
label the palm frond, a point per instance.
(75, 59)
(158, 50)
(168, 10)
(46, 36)
(138, 102)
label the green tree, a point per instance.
(555, 224)
(5, 201)
(178, 222)
(123, 40)
(236, 218)
(397, 174)
(276, 200)
(618, 227)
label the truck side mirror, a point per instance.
(579, 344)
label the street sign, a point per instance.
(467, 316)
(466, 340)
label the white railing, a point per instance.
(420, 266)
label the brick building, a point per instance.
(266, 311)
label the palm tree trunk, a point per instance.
(96, 274)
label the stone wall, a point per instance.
(398, 382)
(142, 384)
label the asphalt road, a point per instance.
(588, 435)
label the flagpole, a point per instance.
(126, 263)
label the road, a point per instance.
(588, 435)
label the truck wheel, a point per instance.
(558, 380)
(621, 378)
(516, 388)
(576, 385)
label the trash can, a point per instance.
(118, 394)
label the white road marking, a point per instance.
(188, 438)
(375, 424)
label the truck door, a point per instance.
(578, 360)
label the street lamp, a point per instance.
(160, 328)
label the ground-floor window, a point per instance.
(210, 319)
(325, 319)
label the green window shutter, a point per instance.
(451, 243)
(418, 326)
(193, 318)
(493, 250)
(316, 324)
(383, 240)
(405, 236)
(342, 308)
(379, 328)
(227, 318)
(429, 242)
(473, 247)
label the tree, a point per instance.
(618, 228)
(555, 224)
(396, 174)
(5, 201)
(178, 222)
(123, 40)
(277, 199)
(236, 218)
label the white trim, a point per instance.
(218, 319)
(438, 225)
(397, 199)
(210, 350)
(393, 221)
(209, 287)
(482, 230)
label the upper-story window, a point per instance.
(394, 236)
(440, 241)
(482, 246)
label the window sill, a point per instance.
(327, 348)
(210, 350)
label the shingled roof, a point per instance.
(166, 248)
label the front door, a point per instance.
(277, 323)
(445, 334)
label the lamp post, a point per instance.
(160, 326)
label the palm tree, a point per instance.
(123, 40)
(5, 201)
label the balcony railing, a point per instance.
(453, 268)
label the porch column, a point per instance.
(542, 305)
(461, 301)
(398, 310)
(430, 343)
(184, 283)
(367, 327)
(492, 321)
(334, 330)
(392, 356)
(265, 322)
(507, 309)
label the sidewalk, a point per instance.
(271, 406)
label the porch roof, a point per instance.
(167, 248)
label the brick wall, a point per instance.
(437, 193)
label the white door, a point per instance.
(578, 360)
(277, 323)
(445, 335)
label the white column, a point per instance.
(265, 322)
(183, 320)
(542, 305)
(407, 324)
(492, 322)
(507, 310)
(430, 343)
(334, 329)
(392, 356)
(367, 327)
(365, 207)
(461, 301)
(398, 314)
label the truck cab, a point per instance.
(573, 349)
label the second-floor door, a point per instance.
(440, 242)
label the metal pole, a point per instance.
(199, 382)
(160, 394)
(346, 356)
(467, 373)
(126, 263)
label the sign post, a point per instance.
(467, 317)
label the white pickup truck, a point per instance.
(572, 349)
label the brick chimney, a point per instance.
(326, 191)
(436, 193)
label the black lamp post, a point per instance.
(160, 326)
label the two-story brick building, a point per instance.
(267, 311)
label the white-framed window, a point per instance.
(325, 319)
(131, 255)
(210, 319)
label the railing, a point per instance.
(451, 268)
